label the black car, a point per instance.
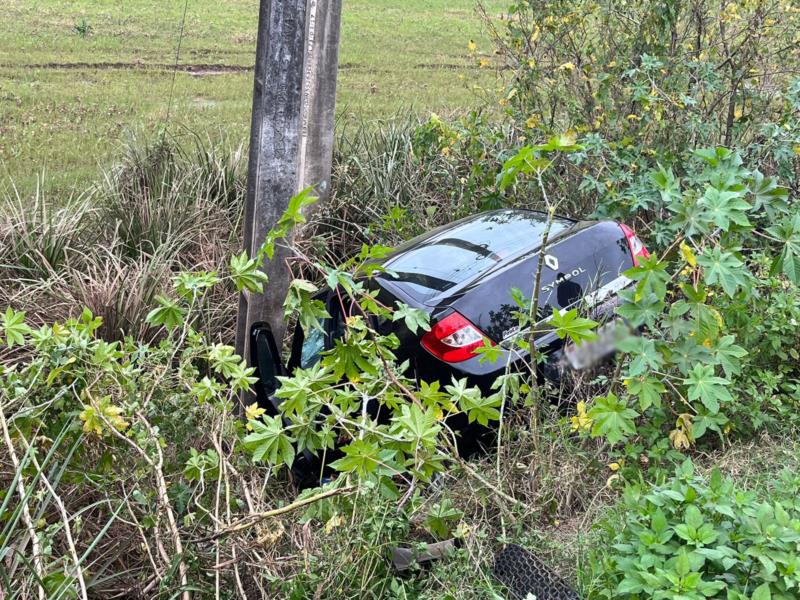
(463, 274)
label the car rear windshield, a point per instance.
(428, 266)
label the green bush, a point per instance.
(664, 75)
(694, 537)
(92, 425)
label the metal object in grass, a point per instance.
(403, 558)
(526, 576)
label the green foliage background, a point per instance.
(125, 471)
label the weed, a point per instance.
(82, 28)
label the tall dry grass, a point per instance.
(166, 206)
(171, 204)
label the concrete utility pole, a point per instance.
(291, 139)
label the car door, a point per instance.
(305, 351)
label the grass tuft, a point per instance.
(166, 206)
(37, 234)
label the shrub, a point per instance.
(118, 290)
(100, 427)
(664, 75)
(168, 205)
(731, 235)
(694, 537)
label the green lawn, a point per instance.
(77, 75)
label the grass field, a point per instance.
(77, 75)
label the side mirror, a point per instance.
(265, 357)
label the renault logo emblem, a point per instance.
(551, 261)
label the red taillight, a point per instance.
(453, 339)
(635, 244)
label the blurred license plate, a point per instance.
(589, 353)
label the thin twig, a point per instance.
(26, 511)
(250, 520)
(64, 518)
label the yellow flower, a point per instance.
(688, 255)
(472, 46)
(614, 466)
(581, 421)
(568, 66)
(797, 149)
(484, 62)
(253, 413)
(532, 121)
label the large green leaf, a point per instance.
(612, 418)
(571, 325)
(722, 267)
(768, 195)
(168, 313)
(788, 260)
(246, 275)
(416, 425)
(414, 318)
(668, 185)
(640, 310)
(365, 457)
(703, 385)
(723, 207)
(651, 273)
(269, 442)
(644, 355)
(482, 409)
(349, 358)
(14, 327)
(648, 389)
(728, 354)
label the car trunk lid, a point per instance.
(586, 265)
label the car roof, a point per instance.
(451, 256)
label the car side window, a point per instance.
(308, 346)
(313, 345)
